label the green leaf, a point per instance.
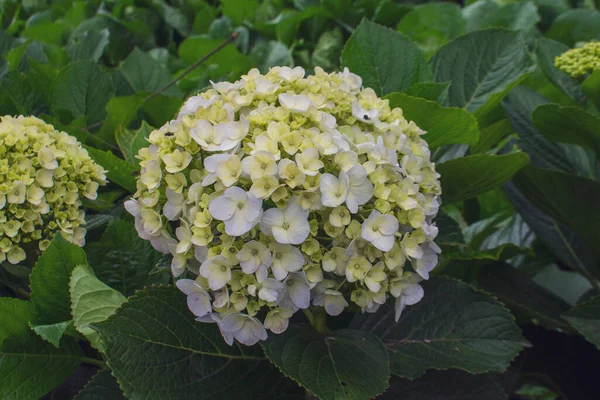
(483, 67)
(585, 317)
(576, 25)
(270, 54)
(121, 111)
(591, 88)
(82, 88)
(519, 292)
(467, 177)
(568, 198)
(89, 45)
(565, 245)
(239, 10)
(519, 106)
(568, 125)
(130, 142)
(157, 350)
(473, 332)
(490, 135)
(29, 366)
(50, 281)
(433, 91)
(546, 51)
(53, 332)
(120, 171)
(160, 109)
(228, 63)
(92, 301)
(145, 74)
(386, 60)
(433, 25)
(103, 386)
(328, 50)
(443, 125)
(347, 364)
(122, 259)
(489, 14)
(445, 385)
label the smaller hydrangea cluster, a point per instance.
(580, 61)
(44, 174)
(280, 191)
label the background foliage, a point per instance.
(516, 140)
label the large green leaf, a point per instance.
(443, 125)
(92, 301)
(568, 198)
(121, 111)
(50, 281)
(591, 88)
(131, 141)
(103, 386)
(576, 25)
(120, 171)
(386, 60)
(565, 245)
(454, 326)
(522, 294)
(433, 25)
(82, 88)
(489, 14)
(568, 125)
(467, 177)
(519, 106)
(145, 74)
(157, 350)
(490, 135)
(347, 364)
(445, 385)
(433, 91)
(585, 317)
(483, 67)
(29, 366)
(89, 45)
(123, 260)
(547, 50)
(52, 332)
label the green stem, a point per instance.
(93, 361)
(320, 320)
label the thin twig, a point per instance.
(193, 66)
(179, 77)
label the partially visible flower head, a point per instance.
(580, 61)
(281, 191)
(44, 174)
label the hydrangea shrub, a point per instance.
(282, 191)
(44, 174)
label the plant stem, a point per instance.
(320, 320)
(93, 361)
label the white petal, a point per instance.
(383, 243)
(300, 295)
(238, 225)
(413, 294)
(222, 208)
(232, 322)
(399, 307)
(271, 217)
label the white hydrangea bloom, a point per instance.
(280, 192)
(45, 176)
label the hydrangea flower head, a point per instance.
(580, 61)
(44, 174)
(283, 191)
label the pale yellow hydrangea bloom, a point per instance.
(580, 61)
(282, 190)
(44, 174)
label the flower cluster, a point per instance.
(283, 190)
(43, 175)
(580, 61)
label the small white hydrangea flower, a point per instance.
(289, 191)
(44, 175)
